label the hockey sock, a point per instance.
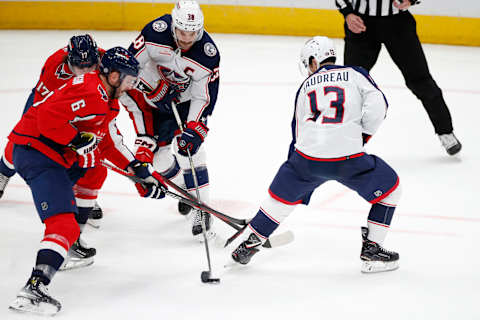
(6, 168)
(61, 231)
(82, 216)
(378, 222)
(381, 214)
(269, 217)
(202, 179)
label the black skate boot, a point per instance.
(95, 216)
(450, 143)
(375, 258)
(78, 256)
(247, 249)
(197, 225)
(184, 209)
(34, 298)
(3, 183)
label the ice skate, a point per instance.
(197, 225)
(375, 258)
(247, 249)
(95, 216)
(34, 298)
(450, 143)
(79, 256)
(3, 183)
(183, 209)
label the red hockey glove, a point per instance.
(89, 160)
(85, 145)
(160, 92)
(153, 185)
(146, 147)
(163, 95)
(192, 138)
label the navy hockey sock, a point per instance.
(264, 224)
(5, 170)
(82, 216)
(202, 177)
(47, 264)
(379, 220)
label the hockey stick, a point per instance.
(205, 275)
(272, 242)
(184, 197)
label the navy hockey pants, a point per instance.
(371, 177)
(51, 183)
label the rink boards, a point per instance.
(219, 18)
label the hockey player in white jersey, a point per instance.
(337, 109)
(180, 65)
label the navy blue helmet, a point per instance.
(121, 60)
(82, 51)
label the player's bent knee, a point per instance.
(64, 227)
(163, 159)
(393, 198)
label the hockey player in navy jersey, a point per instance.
(69, 130)
(180, 64)
(337, 109)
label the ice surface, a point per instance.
(148, 266)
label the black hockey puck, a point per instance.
(205, 276)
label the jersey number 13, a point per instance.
(336, 104)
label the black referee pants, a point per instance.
(399, 35)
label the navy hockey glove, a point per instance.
(152, 185)
(163, 95)
(365, 138)
(85, 145)
(192, 138)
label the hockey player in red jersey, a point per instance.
(80, 56)
(337, 109)
(60, 135)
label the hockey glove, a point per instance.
(146, 147)
(192, 138)
(85, 145)
(365, 138)
(163, 95)
(89, 160)
(152, 185)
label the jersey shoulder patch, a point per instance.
(205, 52)
(159, 31)
(159, 25)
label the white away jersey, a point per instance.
(333, 107)
(159, 57)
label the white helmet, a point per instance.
(187, 16)
(320, 48)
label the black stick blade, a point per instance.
(205, 276)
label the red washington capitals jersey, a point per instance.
(82, 104)
(55, 73)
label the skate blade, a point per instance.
(25, 305)
(75, 263)
(379, 266)
(94, 223)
